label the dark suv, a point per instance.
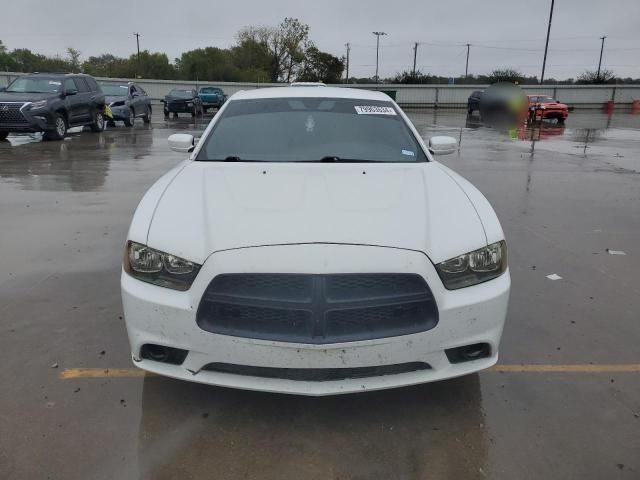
(51, 103)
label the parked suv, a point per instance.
(181, 100)
(127, 101)
(51, 103)
(212, 97)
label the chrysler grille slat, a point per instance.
(317, 309)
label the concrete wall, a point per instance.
(416, 95)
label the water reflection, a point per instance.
(194, 431)
(79, 163)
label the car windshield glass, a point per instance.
(35, 85)
(181, 93)
(210, 90)
(115, 90)
(310, 130)
(545, 99)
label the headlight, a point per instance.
(474, 267)
(190, 104)
(38, 104)
(159, 268)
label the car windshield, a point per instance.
(210, 90)
(181, 93)
(545, 99)
(311, 130)
(115, 90)
(35, 85)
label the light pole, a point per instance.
(377, 34)
(415, 55)
(600, 61)
(348, 45)
(137, 35)
(546, 45)
(466, 68)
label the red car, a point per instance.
(543, 106)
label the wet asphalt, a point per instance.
(565, 197)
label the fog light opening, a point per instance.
(163, 354)
(468, 353)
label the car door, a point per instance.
(135, 101)
(73, 101)
(144, 100)
(84, 100)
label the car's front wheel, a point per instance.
(59, 128)
(130, 118)
(98, 122)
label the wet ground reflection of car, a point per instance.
(429, 431)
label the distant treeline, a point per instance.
(261, 54)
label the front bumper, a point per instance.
(156, 315)
(27, 121)
(178, 107)
(120, 112)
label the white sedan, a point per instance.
(311, 245)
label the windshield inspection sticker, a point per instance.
(374, 110)
(408, 152)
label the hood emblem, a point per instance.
(4, 108)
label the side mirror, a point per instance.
(135, 94)
(2, 89)
(182, 142)
(71, 91)
(442, 145)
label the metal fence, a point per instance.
(587, 96)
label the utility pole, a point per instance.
(377, 34)
(137, 35)
(415, 54)
(546, 45)
(466, 68)
(600, 61)
(348, 45)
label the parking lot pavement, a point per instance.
(563, 403)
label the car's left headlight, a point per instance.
(474, 267)
(159, 268)
(38, 104)
(190, 104)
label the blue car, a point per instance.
(212, 97)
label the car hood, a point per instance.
(24, 97)
(169, 98)
(213, 206)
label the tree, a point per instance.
(284, 43)
(320, 66)
(409, 77)
(591, 76)
(506, 75)
(74, 59)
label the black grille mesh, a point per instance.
(317, 308)
(10, 114)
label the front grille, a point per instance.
(10, 114)
(317, 308)
(316, 374)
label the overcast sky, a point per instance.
(503, 33)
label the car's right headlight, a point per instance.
(159, 268)
(474, 267)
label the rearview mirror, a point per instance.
(442, 145)
(182, 142)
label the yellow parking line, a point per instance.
(73, 373)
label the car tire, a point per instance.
(131, 117)
(147, 117)
(4, 135)
(60, 128)
(98, 122)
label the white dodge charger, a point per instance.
(310, 244)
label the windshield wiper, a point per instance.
(335, 159)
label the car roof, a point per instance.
(302, 92)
